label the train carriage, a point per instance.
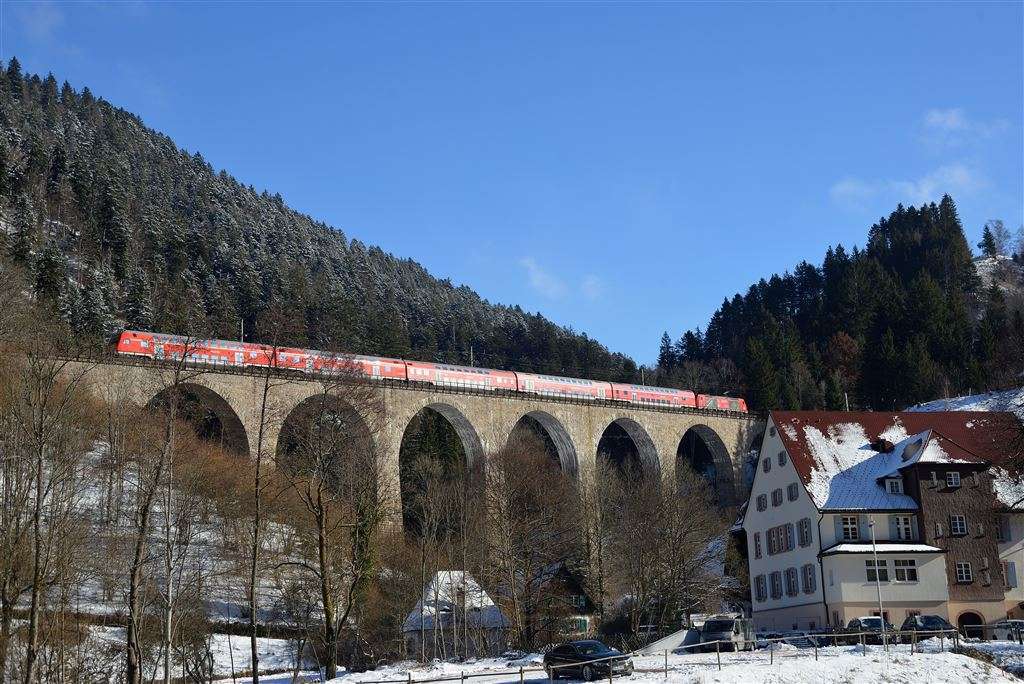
(373, 367)
(707, 401)
(460, 376)
(653, 396)
(555, 386)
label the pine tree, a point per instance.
(15, 82)
(70, 306)
(22, 242)
(666, 354)
(50, 273)
(762, 380)
(138, 301)
(988, 243)
(96, 320)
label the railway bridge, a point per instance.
(713, 442)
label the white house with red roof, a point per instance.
(919, 484)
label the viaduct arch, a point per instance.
(713, 443)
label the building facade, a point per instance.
(844, 506)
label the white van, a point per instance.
(735, 632)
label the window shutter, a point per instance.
(862, 523)
(938, 529)
(838, 520)
(1011, 568)
(893, 534)
(984, 562)
(935, 479)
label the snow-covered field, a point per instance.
(787, 664)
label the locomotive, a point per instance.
(159, 346)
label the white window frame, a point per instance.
(766, 464)
(761, 588)
(957, 525)
(804, 529)
(757, 545)
(882, 568)
(905, 569)
(964, 572)
(782, 458)
(851, 532)
(776, 584)
(792, 582)
(895, 486)
(777, 497)
(953, 478)
(792, 491)
(809, 579)
(762, 503)
(904, 527)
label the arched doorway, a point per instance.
(701, 452)
(970, 624)
(209, 414)
(627, 450)
(549, 433)
(439, 452)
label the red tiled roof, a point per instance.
(972, 435)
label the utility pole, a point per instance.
(878, 582)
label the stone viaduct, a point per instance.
(483, 420)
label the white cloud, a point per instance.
(543, 282)
(953, 127)
(850, 190)
(591, 287)
(40, 20)
(956, 179)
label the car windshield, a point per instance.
(593, 648)
(718, 625)
(871, 622)
(933, 622)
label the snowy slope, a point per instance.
(1008, 400)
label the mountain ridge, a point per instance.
(116, 224)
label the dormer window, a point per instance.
(952, 478)
(894, 485)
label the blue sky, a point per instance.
(620, 168)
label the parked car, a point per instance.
(872, 625)
(1005, 630)
(587, 659)
(926, 623)
(735, 632)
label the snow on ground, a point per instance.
(788, 664)
(1006, 654)
(1008, 400)
(275, 654)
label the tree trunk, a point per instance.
(32, 647)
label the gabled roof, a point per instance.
(842, 456)
(454, 595)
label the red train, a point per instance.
(224, 352)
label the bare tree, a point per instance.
(666, 546)
(531, 530)
(152, 468)
(331, 463)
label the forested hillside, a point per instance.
(903, 320)
(116, 225)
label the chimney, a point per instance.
(882, 446)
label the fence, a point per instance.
(813, 642)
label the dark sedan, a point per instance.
(586, 659)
